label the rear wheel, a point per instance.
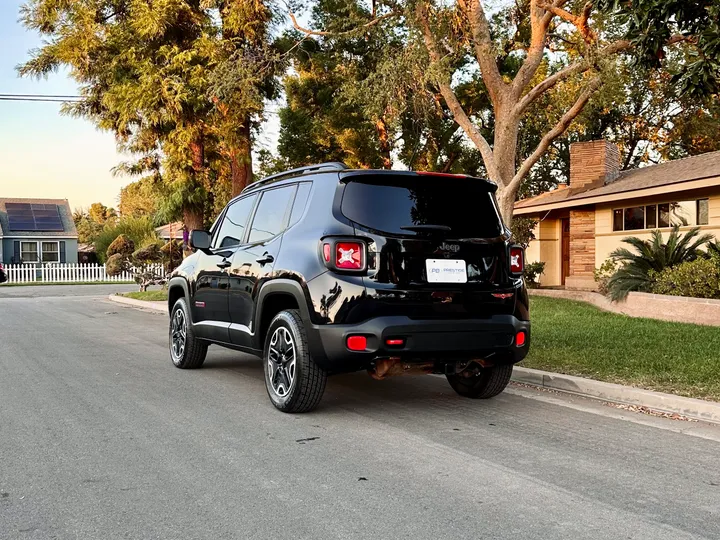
(294, 382)
(186, 351)
(486, 383)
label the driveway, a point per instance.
(101, 438)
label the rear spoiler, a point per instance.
(347, 176)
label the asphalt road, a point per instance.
(101, 438)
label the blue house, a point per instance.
(37, 231)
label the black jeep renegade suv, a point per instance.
(324, 270)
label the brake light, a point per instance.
(357, 343)
(517, 260)
(350, 255)
(520, 339)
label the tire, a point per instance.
(193, 351)
(294, 382)
(488, 383)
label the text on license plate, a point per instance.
(446, 270)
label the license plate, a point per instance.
(446, 270)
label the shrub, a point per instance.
(604, 273)
(637, 270)
(533, 271)
(122, 246)
(140, 230)
(522, 230)
(699, 279)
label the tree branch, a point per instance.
(578, 67)
(555, 132)
(451, 99)
(310, 32)
(485, 52)
(539, 23)
(578, 21)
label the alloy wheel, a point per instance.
(281, 362)
(178, 332)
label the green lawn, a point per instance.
(576, 338)
(150, 296)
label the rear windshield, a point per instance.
(398, 205)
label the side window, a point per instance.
(232, 228)
(301, 198)
(269, 218)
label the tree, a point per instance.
(141, 197)
(142, 263)
(90, 223)
(513, 66)
(180, 83)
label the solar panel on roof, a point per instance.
(33, 217)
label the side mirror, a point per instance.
(200, 240)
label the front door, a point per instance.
(211, 317)
(211, 309)
(565, 249)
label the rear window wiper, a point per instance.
(426, 228)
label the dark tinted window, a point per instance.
(270, 216)
(618, 220)
(300, 201)
(391, 204)
(651, 217)
(232, 229)
(634, 218)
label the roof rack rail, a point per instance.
(330, 166)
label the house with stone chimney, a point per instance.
(581, 223)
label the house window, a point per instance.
(703, 212)
(50, 252)
(29, 252)
(683, 214)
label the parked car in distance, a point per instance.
(324, 270)
(3, 274)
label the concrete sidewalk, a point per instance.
(697, 409)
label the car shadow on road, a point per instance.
(353, 390)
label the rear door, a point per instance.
(254, 261)
(437, 245)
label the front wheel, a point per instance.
(186, 350)
(294, 382)
(486, 383)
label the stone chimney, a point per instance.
(593, 164)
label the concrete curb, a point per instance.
(158, 307)
(697, 409)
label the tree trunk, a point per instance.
(506, 203)
(193, 216)
(384, 140)
(241, 161)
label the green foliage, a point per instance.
(140, 231)
(533, 271)
(698, 279)
(650, 24)
(116, 264)
(89, 223)
(142, 197)
(522, 230)
(638, 269)
(172, 254)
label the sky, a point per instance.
(46, 154)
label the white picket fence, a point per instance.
(65, 273)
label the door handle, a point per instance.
(266, 258)
(223, 264)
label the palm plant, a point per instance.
(637, 269)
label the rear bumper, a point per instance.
(423, 339)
